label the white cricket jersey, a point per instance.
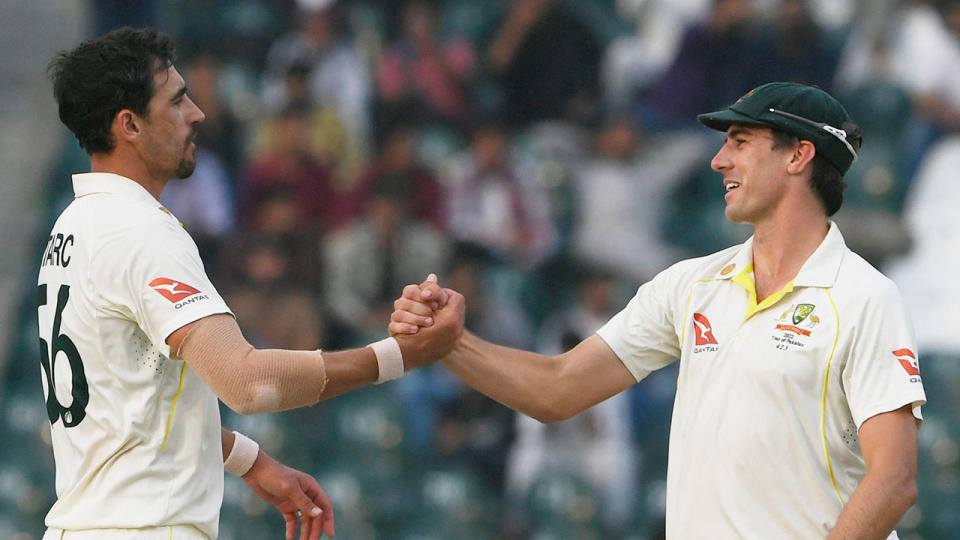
(770, 397)
(136, 433)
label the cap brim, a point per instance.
(721, 120)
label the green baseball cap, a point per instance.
(805, 111)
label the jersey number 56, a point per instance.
(62, 344)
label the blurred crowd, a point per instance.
(543, 158)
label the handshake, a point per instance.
(427, 322)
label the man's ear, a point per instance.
(802, 155)
(127, 125)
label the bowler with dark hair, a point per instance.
(137, 345)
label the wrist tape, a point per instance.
(244, 452)
(389, 359)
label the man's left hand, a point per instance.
(296, 494)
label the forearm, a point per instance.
(875, 507)
(253, 380)
(349, 370)
(524, 381)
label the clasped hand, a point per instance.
(427, 321)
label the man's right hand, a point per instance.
(427, 322)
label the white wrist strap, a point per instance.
(389, 359)
(244, 452)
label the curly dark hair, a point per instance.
(104, 75)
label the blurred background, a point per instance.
(543, 157)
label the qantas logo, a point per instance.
(909, 361)
(701, 325)
(173, 291)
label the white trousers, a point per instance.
(174, 532)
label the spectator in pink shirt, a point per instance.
(425, 72)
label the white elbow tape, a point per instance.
(389, 359)
(244, 452)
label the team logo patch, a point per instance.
(173, 291)
(909, 361)
(703, 330)
(801, 312)
(802, 318)
(745, 96)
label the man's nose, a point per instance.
(720, 161)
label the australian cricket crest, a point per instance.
(801, 312)
(793, 325)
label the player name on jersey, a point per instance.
(56, 252)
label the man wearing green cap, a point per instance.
(798, 396)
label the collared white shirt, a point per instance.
(770, 397)
(136, 433)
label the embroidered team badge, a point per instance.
(909, 362)
(801, 317)
(174, 291)
(796, 323)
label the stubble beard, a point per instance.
(187, 163)
(185, 168)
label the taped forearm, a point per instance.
(251, 380)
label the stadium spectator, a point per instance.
(334, 71)
(367, 260)
(709, 69)
(927, 273)
(422, 77)
(273, 307)
(399, 165)
(493, 204)
(626, 183)
(925, 60)
(546, 62)
(289, 160)
(793, 48)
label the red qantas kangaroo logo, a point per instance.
(173, 291)
(908, 360)
(701, 326)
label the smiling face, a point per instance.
(170, 128)
(753, 173)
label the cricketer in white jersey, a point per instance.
(136, 433)
(124, 305)
(798, 397)
(770, 396)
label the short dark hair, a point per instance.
(826, 180)
(104, 75)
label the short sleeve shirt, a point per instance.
(136, 433)
(770, 396)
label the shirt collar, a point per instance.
(89, 183)
(819, 270)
